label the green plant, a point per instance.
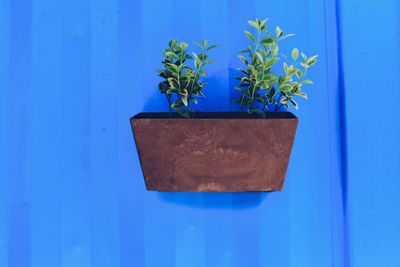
(260, 87)
(183, 84)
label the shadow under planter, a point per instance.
(214, 200)
(214, 152)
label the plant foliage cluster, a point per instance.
(183, 84)
(261, 88)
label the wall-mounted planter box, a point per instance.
(215, 152)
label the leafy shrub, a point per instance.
(260, 87)
(183, 84)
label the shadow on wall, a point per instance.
(235, 201)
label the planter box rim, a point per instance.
(215, 115)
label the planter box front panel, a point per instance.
(214, 155)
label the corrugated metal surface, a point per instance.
(73, 72)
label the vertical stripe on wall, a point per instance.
(4, 120)
(335, 112)
(47, 126)
(219, 218)
(130, 100)
(76, 133)
(156, 30)
(103, 135)
(372, 110)
(19, 136)
(189, 230)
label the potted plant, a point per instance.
(183, 150)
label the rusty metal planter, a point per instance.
(215, 152)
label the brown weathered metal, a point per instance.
(215, 152)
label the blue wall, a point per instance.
(71, 192)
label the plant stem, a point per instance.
(241, 103)
(189, 109)
(169, 104)
(195, 76)
(258, 40)
(279, 105)
(254, 87)
(252, 97)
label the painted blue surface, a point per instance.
(71, 192)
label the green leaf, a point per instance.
(183, 45)
(303, 95)
(253, 24)
(173, 44)
(185, 92)
(299, 73)
(202, 56)
(285, 67)
(285, 88)
(294, 103)
(270, 61)
(259, 57)
(253, 70)
(267, 41)
(194, 100)
(308, 82)
(195, 56)
(249, 35)
(295, 53)
(184, 100)
(312, 60)
(304, 65)
(278, 31)
(205, 43)
(172, 68)
(286, 36)
(170, 54)
(263, 53)
(212, 47)
(263, 26)
(284, 100)
(290, 71)
(243, 59)
(281, 80)
(197, 60)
